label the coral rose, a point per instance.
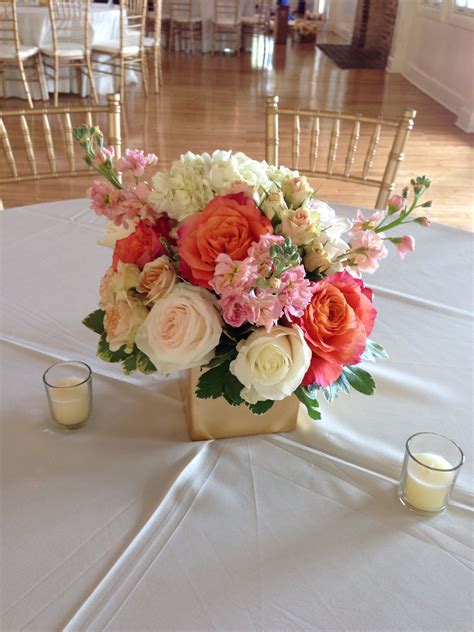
(143, 245)
(229, 224)
(336, 324)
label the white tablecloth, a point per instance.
(127, 525)
(35, 30)
(205, 10)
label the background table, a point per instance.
(205, 10)
(35, 30)
(127, 525)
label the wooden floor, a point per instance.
(218, 102)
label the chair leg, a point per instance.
(170, 37)
(91, 77)
(213, 39)
(25, 83)
(144, 69)
(156, 67)
(41, 78)
(56, 80)
(160, 68)
(193, 47)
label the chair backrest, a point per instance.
(132, 21)
(226, 10)
(69, 22)
(328, 164)
(263, 13)
(48, 141)
(181, 9)
(9, 36)
(157, 15)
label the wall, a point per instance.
(340, 17)
(434, 49)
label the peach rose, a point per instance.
(229, 224)
(301, 226)
(336, 324)
(157, 279)
(113, 282)
(122, 320)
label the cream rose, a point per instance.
(301, 226)
(114, 233)
(182, 330)
(122, 320)
(113, 282)
(157, 279)
(296, 191)
(274, 205)
(271, 365)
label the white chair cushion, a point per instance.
(251, 20)
(65, 49)
(149, 42)
(113, 47)
(226, 22)
(183, 20)
(9, 52)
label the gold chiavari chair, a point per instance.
(153, 43)
(127, 53)
(70, 44)
(335, 167)
(15, 54)
(48, 141)
(226, 20)
(184, 24)
(258, 24)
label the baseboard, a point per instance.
(450, 99)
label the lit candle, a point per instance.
(432, 463)
(69, 389)
(70, 402)
(426, 488)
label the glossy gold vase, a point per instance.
(216, 419)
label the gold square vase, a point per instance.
(216, 419)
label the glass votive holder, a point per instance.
(69, 390)
(430, 468)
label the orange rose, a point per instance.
(229, 224)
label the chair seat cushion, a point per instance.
(227, 23)
(113, 47)
(183, 20)
(149, 42)
(251, 20)
(9, 52)
(65, 49)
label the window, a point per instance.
(464, 6)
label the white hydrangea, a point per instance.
(194, 180)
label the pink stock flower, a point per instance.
(230, 275)
(403, 244)
(269, 309)
(366, 224)
(367, 249)
(102, 155)
(295, 291)
(104, 198)
(396, 204)
(135, 161)
(423, 221)
(238, 308)
(135, 204)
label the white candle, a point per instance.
(425, 488)
(70, 406)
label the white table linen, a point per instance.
(205, 10)
(34, 28)
(127, 525)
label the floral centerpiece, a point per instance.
(233, 266)
(306, 28)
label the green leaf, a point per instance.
(334, 389)
(104, 352)
(232, 389)
(373, 351)
(307, 397)
(211, 383)
(144, 364)
(95, 321)
(131, 363)
(359, 379)
(260, 407)
(226, 354)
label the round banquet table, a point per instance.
(34, 28)
(128, 525)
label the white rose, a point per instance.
(297, 190)
(115, 282)
(122, 320)
(182, 330)
(274, 204)
(114, 233)
(271, 365)
(300, 225)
